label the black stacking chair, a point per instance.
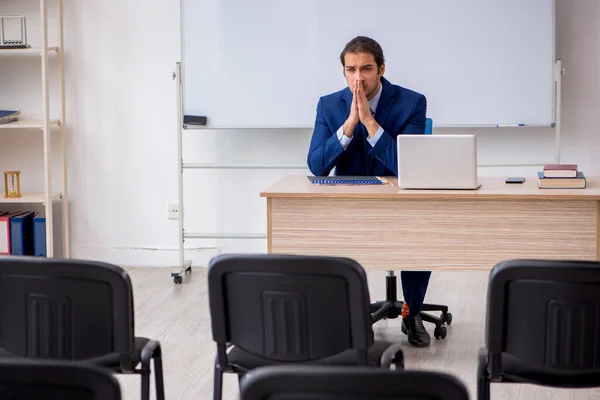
(301, 382)
(271, 309)
(543, 320)
(27, 379)
(73, 310)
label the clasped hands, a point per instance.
(360, 111)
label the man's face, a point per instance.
(362, 66)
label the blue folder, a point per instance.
(39, 236)
(21, 234)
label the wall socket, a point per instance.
(173, 211)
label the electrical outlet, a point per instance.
(173, 211)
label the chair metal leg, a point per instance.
(218, 383)
(145, 374)
(434, 307)
(483, 382)
(483, 388)
(158, 376)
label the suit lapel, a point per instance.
(386, 101)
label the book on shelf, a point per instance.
(579, 182)
(7, 116)
(560, 171)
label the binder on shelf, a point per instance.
(5, 232)
(346, 180)
(39, 236)
(21, 234)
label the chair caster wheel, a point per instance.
(447, 318)
(178, 279)
(440, 332)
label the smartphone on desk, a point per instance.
(515, 179)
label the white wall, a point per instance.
(122, 125)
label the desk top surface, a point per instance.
(298, 186)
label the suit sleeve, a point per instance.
(325, 148)
(386, 150)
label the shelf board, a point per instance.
(31, 50)
(28, 198)
(28, 124)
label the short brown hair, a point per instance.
(363, 44)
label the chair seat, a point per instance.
(516, 369)
(246, 361)
(111, 361)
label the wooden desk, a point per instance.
(383, 227)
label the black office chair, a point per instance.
(73, 310)
(295, 382)
(269, 309)
(391, 308)
(27, 379)
(542, 326)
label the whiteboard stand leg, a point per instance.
(185, 267)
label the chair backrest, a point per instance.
(289, 308)
(64, 309)
(301, 382)
(428, 126)
(25, 379)
(545, 315)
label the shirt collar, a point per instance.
(375, 100)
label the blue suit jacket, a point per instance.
(399, 111)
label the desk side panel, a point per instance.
(435, 234)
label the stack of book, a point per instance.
(7, 116)
(561, 176)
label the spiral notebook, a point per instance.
(346, 180)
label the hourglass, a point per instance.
(12, 184)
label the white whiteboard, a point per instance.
(265, 63)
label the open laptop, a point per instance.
(437, 162)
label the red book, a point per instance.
(560, 171)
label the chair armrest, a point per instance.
(393, 357)
(150, 350)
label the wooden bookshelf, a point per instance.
(31, 198)
(53, 189)
(28, 124)
(31, 50)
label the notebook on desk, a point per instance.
(346, 180)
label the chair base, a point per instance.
(391, 308)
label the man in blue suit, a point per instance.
(355, 133)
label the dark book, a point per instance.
(578, 182)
